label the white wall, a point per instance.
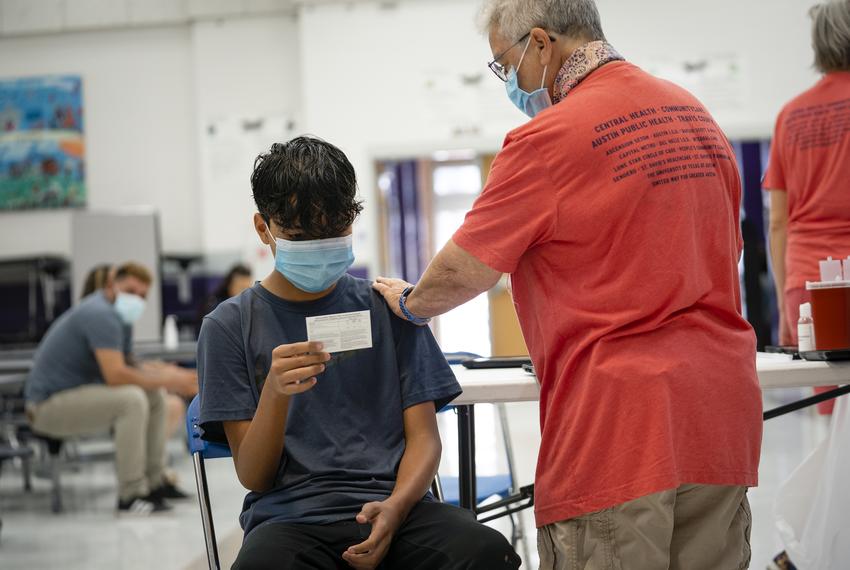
(246, 72)
(377, 79)
(381, 81)
(384, 81)
(771, 37)
(149, 96)
(138, 123)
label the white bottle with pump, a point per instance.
(805, 329)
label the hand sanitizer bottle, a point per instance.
(805, 329)
(170, 336)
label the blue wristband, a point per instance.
(407, 314)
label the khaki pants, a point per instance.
(137, 417)
(694, 527)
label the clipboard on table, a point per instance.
(496, 362)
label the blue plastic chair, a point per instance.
(201, 450)
(486, 486)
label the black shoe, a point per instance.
(142, 506)
(168, 491)
(782, 562)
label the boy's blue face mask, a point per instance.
(313, 265)
(529, 103)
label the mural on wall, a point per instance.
(42, 154)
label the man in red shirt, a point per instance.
(615, 210)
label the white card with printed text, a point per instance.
(341, 332)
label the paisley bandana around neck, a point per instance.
(584, 61)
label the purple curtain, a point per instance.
(406, 226)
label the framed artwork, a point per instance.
(42, 152)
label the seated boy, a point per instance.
(338, 451)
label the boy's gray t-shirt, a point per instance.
(345, 437)
(65, 356)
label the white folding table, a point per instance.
(503, 385)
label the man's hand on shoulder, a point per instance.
(386, 518)
(391, 290)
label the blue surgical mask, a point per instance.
(129, 307)
(529, 103)
(313, 265)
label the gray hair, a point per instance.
(578, 19)
(831, 35)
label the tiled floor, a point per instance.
(89, 536)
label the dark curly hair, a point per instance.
(308, 185)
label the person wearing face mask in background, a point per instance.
(615, 211)
(98, 278)
(82, 383)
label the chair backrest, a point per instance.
(197, 444)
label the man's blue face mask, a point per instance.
(529, 103)
(129, 307)
(313, 265)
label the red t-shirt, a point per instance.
(616, 214)
(810, 160)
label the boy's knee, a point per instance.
(486, 549)
(251, 559)
(257, 557)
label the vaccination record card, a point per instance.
(341, 332)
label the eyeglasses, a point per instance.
(497, 68)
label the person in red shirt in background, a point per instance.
(615, 210)
(808, 175)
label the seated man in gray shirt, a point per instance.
(338, 451)
(82, 383)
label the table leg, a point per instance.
(466, 447)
